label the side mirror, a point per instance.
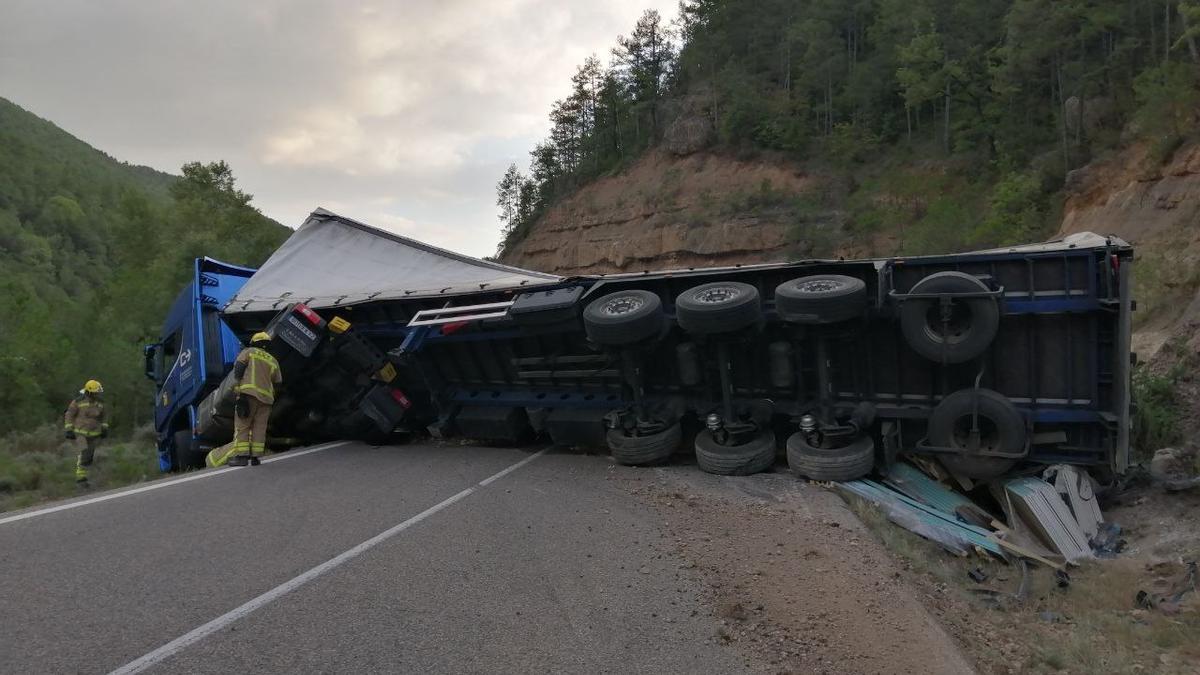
(150, 353)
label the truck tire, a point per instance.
(623, 318)
(821, 298)
(972, 326)
(735, 460)
(643, 450)
(835, 464)
(184, 456)
(719, 307)
(1001, 426)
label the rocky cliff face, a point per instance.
(1130, 196)
(668, 211)
(1155, 206)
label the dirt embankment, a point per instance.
(1154, 205)
(667, 211)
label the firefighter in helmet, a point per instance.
(257, 374)
(86, 422)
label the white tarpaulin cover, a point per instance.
(332, 261)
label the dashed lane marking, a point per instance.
(194, 636)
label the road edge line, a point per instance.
(157, 485)
(195, 635)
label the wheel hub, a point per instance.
(950, 327)
(819, 286)
(716, 294)
(989, 435)
(622, 305)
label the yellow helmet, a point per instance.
(93, 387)
(260, 337)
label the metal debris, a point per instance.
(1038, 504)
(917, 485)
(1075, 487)
(933, 524)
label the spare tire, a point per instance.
(624, 317)
(845, 463)
(735, 460)
(821, 298)
(1001, 429)
(643, 450)
(971, 327)
(719, 307)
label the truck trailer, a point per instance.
(984, 361)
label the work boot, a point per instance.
(82, 484)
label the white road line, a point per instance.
(194, 636)
(161, 484)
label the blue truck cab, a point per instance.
(194, 351)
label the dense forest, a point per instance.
(92, 251)
(1015, 94)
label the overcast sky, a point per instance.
(402, 114)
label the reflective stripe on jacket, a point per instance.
(261, 376)
(85, 416)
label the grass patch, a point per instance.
(1160, 414)
(757, 201)
(1158, 420)
(39, 465)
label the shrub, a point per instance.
(1016, 212)
(38, 465)
(1158, 415)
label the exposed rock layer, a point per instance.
(667, 211)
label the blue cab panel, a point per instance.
(195, 349)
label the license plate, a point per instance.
(302, 328)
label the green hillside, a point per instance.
(92, 251)
(942, 123)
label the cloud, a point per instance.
(401, 113)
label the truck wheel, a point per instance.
(623, 318)
(821, 298)
(184, 456)
(845, 463)
(735, 460)
(720, 307)
(972, 326)
(643, 450)
(1001, 429)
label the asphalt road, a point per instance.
(356, 559)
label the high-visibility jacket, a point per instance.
(85, 416)
(261, 374)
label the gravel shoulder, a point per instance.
(797, 582)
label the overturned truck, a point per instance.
(982, 360)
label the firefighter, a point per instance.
(257, 374)
(86, 423)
